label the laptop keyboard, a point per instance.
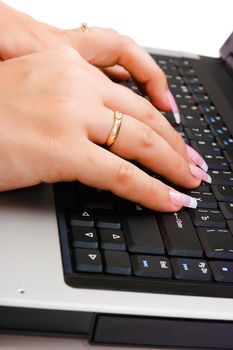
(111, 243)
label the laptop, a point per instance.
(81, 262)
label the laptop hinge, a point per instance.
(226, 52)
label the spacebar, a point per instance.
(179, 235)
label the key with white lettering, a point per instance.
(191, 269)
(87, 260)
(84, 237)
(223, 193)
(151, 266)
(111, 239)
(222, 271)
(179, 235)
(204, 199)
(221, 177)
(207, 218)
(83, 217)
(217, 243)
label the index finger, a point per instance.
(145, 71)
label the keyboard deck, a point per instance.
(111, 243)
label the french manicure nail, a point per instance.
(195, 171)
(174, 106)
(196, 158)
(181, 199)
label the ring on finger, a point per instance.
(115, 129)
(84, 27)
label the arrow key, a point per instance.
(87, 260)
(112, 239)
(84, 217)
(84, 237)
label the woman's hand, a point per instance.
(56, 113)
(117, 55)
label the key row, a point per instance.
(121, 263)
(175, 234)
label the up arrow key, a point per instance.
(83, 218)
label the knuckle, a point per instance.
(124, 174)
(149, 111)
(126, 41)
(146, 137)
(180, 144)
(153, 189)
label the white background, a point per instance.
(199, 26)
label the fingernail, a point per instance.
(174, 106)
(196, 158)
(181, 199)
(199, 173)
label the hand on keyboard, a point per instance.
(57, 110)
(117, 55)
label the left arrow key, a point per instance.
(84, 237)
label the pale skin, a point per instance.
(57, 111)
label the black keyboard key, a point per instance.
(84, 237)
(94, 198)
(227, 209)
(142, 234)
(188, 72)
(199, 134)
(191, 269)
(228, 155)
(221, 177)
(223, 193)
(206, 147)
(179, 235)
(111, 239)
(191, 81)
(169, 116)
(207, 218)
(216, 162)
(222, 271)
(204, 187)
(207, 108)
(88, 260)
(225, 142)
(217, 243)
(83, 218)
(201, 98)
(204, 199)
(222, 130)
(151, 266)
(193, 120)
(196, 89)
(213, 119)
(107, 219)
(117, 262)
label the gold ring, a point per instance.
(115, 129)
(84, 27)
